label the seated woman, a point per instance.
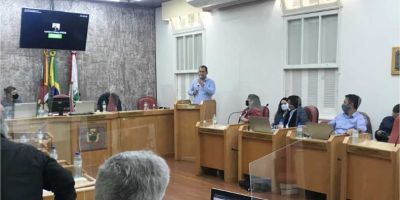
(385, 128)
(254, 108)
(280, 114)
(296, 115)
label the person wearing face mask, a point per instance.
(202, 88)
(385, 128)
(280, 114)
(10, 98)
(253, 108)
(297, 115)
(350, 118)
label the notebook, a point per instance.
(217, 194)
(259, 124)
(84, 107)
(318, 131)
(25, 110)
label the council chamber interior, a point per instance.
(101, 77)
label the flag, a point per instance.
(54, 85)
(74, 78)
(42, 92)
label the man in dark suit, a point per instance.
(297, 115)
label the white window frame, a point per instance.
(319, 65)
(184, 33)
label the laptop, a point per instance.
(84, 107)
(259, 124)
(217, 194)
(25, 110)
(318, 131)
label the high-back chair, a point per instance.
(312, 113)
(265, 111)
(394, 135)
(369, 125)
(147, 99)
(113, 103)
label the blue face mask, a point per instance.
(285, 106)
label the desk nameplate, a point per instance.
(257, 135)
(187, 106)
(211, 131)
(369, 152)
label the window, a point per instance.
(189, 56)
(311, 60)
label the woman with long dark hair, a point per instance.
(283, 107)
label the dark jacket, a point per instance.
(26, 171)
(299, 118)
(385, 128)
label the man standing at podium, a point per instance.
(202, 88)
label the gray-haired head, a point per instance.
(132, 175)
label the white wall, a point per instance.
(245, 54)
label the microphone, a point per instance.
(230, 115)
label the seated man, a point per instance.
(385, 128)
(350, 118)
(104, 98)
(132, 175)
(10, 98)
(254, 108)
(26, 171)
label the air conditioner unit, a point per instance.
(209, 5)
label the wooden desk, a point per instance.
(217, 148)
(185, 118)
(120, 131)
(254, 145)
(370, 170)
(315, 163)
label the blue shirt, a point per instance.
(204, 92)
(343, 122)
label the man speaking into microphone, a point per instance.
(202, 88)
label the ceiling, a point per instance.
(142, 3)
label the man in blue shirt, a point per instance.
(202, 88)
(350, 118)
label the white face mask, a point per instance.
(284, 106)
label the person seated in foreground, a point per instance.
(280, 114)
(26, 171)
(297, 115)
(350, 118)
(132, 175)
(253, 108)
(385, 128)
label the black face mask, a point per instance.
(247, 103)
(15, 96)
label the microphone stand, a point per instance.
(230, 115)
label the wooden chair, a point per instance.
(369, 126)
(147, 99)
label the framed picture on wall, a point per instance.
(396, 61)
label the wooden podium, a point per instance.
(370, 170)
(315, 163)
(186, 116)
(217, 148)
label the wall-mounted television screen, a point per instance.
(48, 29)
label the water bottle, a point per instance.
(23, 139)
(154, 106)
(214, 119)
(145, 105)
(77, 165)
(53, 152)
(280, 125)
(40, 136)
(355, 136)
(104, 107)
(299, 131)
